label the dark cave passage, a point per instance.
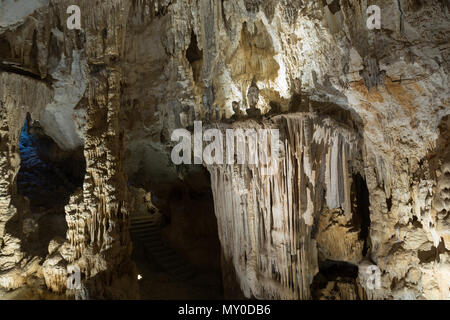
(335, 279)
(47, 177)
(177, 252)
(195, 57)
(362, 216)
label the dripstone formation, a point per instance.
(359, 205)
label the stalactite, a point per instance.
(266, 222)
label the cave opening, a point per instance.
(175, 238)
(48, 176)
(361, 217)
(195, 56)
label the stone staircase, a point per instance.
(145, 230)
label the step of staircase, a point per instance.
(147, 230)
(155, 248)
(142, 218)
(143, 222)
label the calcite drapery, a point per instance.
(266, 222)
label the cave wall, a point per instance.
(97, 216)
(148, 67)
(15, 264)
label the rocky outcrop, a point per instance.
(362, 184)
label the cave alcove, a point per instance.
(338, 274)
(48, 176)
(178, 257)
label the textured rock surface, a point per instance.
(357, 109)
(273, 215)
(97, 217)
(15, 264)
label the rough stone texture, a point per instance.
(373, 103)
(15, 264)
(266, 222)
(97, 217)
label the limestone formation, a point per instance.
(358, 207)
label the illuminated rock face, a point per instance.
(267, 223)
(97, 217)
(363, 114)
